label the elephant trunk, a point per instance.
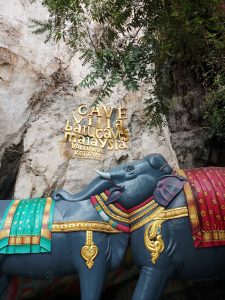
(96, 186)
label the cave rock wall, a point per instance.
(36, 98)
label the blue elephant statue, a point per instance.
(168, 237)
(78, 236)
(173, 218)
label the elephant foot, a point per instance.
(4, 283)
(91, 284)
(151, 284)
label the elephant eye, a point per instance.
(130, 168)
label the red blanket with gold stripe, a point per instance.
(205, 194)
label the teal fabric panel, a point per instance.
(30, 226)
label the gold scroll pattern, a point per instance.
(89, 251)
(153, 238)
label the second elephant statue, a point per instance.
(153, 198)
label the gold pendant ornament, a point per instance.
(89, 251)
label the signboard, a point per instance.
(93, 130)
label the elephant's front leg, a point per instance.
(94, 265)
(151, 283)
(91, 282)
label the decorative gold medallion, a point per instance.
(90, 250)
(153, 239)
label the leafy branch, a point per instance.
(136, 41)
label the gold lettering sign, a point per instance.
(93, 130)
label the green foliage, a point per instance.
(135, 41)
(215, 106)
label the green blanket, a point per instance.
(26, 226)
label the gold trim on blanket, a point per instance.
(193, 214)
(83, 226)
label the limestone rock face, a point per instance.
(37, 97)
(190, 137)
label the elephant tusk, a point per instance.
(104, 175)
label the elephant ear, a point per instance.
(113, 194)
(167, 189)
(158, 162)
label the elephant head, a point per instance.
(135, 182)
(132, 183)
(96, 186)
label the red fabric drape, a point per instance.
(205, 194)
